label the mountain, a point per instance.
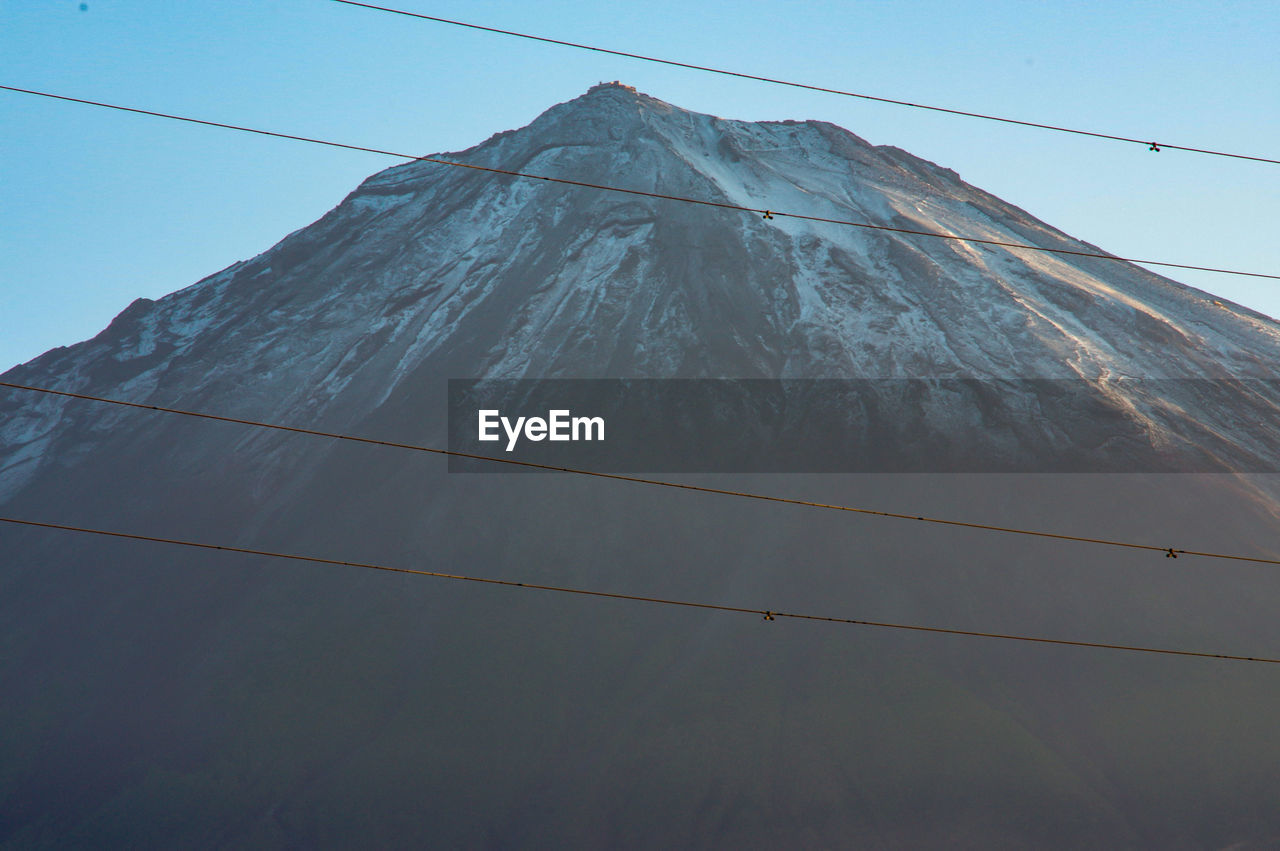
(158, 696)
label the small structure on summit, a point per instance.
(614, 83)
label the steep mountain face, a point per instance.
(439, 271)
(161, 697)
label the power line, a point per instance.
(766, 614)
(1148, 143)
(1173, 552)
(766, 213)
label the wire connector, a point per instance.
(768, 616)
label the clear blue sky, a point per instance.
(98, 208)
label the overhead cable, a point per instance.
(1150, 144)
(765, 213)
(1168, 552)
(766, 614)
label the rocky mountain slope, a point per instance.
(160, 697)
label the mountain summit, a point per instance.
(157, 696)
(437, 271)
(783, 297)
